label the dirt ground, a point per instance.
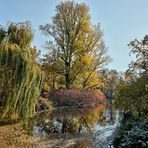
(14, 136)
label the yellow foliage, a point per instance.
(87, 59)
(46, 86)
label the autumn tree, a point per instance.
(133, 94)
(75, 45)
(140, 50)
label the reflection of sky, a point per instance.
(121, 20)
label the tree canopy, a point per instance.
(75, 46)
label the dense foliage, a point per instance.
(133, 134)
(133, 97)
(20, 76)
(137, 136)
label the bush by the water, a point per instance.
(133, 134)
(75, 97)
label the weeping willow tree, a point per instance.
(20, 76)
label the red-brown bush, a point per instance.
(75, 97)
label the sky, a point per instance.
(121, 21)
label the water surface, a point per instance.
(67, 127)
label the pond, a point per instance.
(64, 127)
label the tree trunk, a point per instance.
(67, 75)
(53, 83)
(64, 125)
(68, 81)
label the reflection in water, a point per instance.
(81, 126)
(69, 120)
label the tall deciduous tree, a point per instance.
(76, 44)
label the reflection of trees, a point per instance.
(28, 126)
(69, 120)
